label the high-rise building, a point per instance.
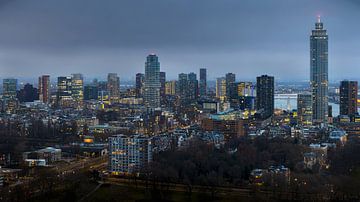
(193, 86)
(152, 82)
(91, 92)
(304, 109)
(221, 88)
(265, 95)
(162, 78)
(113, 87)
(28, 93)
(129, 154)
(319, 72)
(230, 85)
(170, 88)
(77, 87)
(9, 88)
(63, 89)
(202, 85)
(183, 87)
(44, 88)
(139, 85)
(348, 97)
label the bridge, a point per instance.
(285, 96)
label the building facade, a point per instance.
(265, 95)
(304, 109)
(348, 98)
(129, 154)
(113, 87)
(44, 88)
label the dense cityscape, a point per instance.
(68, 138)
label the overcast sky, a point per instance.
(247, 37)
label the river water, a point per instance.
(283, 104)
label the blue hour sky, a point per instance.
(247, 37)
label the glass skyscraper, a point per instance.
(152, 82)
(319, 72)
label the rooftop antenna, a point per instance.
(319, 19)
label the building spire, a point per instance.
(319, 19)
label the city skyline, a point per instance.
(117, 45)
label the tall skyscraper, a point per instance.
(63, 89)
(113, 87)
(77, 87)
(348, 97)
(319, 72)
(265, 95)
(193, 86)
(221, 88)
(44, 88)
(162, 78)
(304, 109)
(203, 85)
(152, 82)
(230, 85)
(9, 88)
(139, 85)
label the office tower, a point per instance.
(91, 92)
(129, 154)
(28, 93)
(230, 85)
(77, 87)
(265, 95)
(9, 88)
(139, 85)
(202, 86)
(162, 78)
(319, 72)
(113, 87)
(63, 89)
(348, 97)
(44, 88)
(183, 87)
(221, 88)
(193, 86)
(152, 82)
(304, 109)
(170, 88)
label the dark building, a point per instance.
(162, 78)
(91, 92)
(183, 87)
(28, 93)
(202, 85)
(193, 86)
(348, 97)
(231, 90)
(319, 72)
(139, 85)
(265, 95)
